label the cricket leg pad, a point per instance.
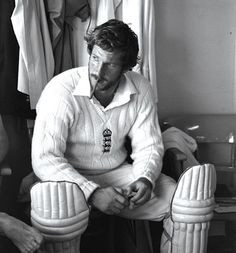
(186, 227)
(60, 212)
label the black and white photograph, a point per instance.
(117, 126)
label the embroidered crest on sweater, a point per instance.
(107, 140)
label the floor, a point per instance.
(221, 244)
(222, 237)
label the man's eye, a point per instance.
(112, 65)
(95, 58)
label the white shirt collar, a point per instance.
(83, 87)
(125, 90)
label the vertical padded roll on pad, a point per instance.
(191, 211)
(60, 212)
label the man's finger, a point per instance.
(121, 204)
(129, 190)
(143, 199)
(139, 194)
(121, 200)
(119, 190)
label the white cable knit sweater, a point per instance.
(68, 135)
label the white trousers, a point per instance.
(159, 204)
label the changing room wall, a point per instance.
(195, 56)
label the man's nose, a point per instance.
(100, 69)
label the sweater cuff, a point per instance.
(150, 180)
(88, 188)
(150, 177)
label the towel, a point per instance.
(176, 138)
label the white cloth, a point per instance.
(36, 62)
(140, 16)
(69, 127)
(176, 138)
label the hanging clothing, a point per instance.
(80, 28)
(107, 10)
(140, 16)
(11, 101)
(60, 16)
(36, 63)
(4, 143)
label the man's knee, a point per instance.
(165, 188)
(59, 211)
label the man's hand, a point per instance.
(109, 200)
(139, 192)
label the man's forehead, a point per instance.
(99, 51)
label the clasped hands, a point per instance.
(112, 200)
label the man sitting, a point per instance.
(83, 118)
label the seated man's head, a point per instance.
(113, 49)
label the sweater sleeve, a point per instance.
(147, 145)
(52, 125)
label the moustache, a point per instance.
(98, 78)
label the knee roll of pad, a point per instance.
(60, 212)
(191, 210)
(193, 200)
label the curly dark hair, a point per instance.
(115, 35)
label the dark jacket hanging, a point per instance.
(12, 102)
